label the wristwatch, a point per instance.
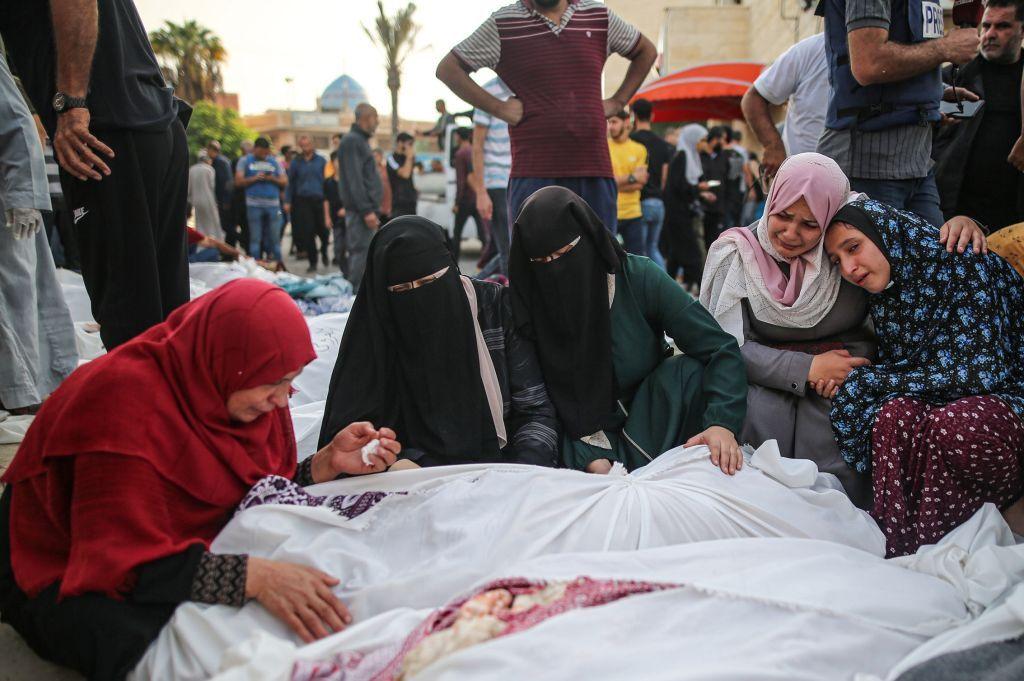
(63, 101)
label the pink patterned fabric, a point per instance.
(934, 466)
(582, 592)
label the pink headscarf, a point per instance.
(821, 183)
(742, 263)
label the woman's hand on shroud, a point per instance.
(344, 453)
(298, 595)
(599, 466)
(725, 452)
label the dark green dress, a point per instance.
(664, 399)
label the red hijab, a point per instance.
(155, 405)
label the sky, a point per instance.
(315, 41)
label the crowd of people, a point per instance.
(841, 295)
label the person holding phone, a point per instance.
(986, 186)
(261, 176)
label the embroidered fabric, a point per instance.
(220, 579)
(304, 473)
(277, 490)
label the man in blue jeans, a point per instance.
(260, 175)
(659, 155)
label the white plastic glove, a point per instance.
(24, 222)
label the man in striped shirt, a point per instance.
(492, 151)
(551, 53)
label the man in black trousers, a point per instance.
(119, 137)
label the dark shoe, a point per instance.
(311, 269)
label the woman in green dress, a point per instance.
(599, 318)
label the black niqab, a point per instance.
(408, 359)
(563, 304)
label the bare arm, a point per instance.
(74, 35)
(875, 59)
(1016, 157)
(479, 133)
(405, 172)
(639, 67)
(758, 113)
(75, 30)
(451, 73)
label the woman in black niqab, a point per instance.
(561, 301)
(408, 359)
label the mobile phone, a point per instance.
(963, 110)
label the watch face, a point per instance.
(59, 101)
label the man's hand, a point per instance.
(511, 111)
(950, 94)
(1016, 157)
(372, 221)
(599, 466)
(287, 208)
(612, 107)
(960, 45)
(774, 155)
(24, 222)
(484, 205)
(298, 595)
(74, 146)
(834, 365)
(725, 452)
(960, 231)
(344, 453)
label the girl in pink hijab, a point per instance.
(801, 328)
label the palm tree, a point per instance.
(396, 37)
(191, 57)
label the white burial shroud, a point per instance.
(744, 610)
(442, 529)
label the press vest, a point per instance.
(881, 106)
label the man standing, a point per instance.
(440, 129)
(987, 187)
(223, 188)
(465, 196)
(715, 162)
(800, 77)
(551, 53)
(90, 72)
(659, 155)
(239, 212)
(884, 58)
(403, 194)
(361, 189)
(629, 164)
(492, 151)
(202, 197)
(735, 186)
(260, 175)
(304, 201)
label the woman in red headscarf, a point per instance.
(137, 461)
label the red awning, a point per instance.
(701, 92)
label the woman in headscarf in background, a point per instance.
(435, 356)
(683, 188)
(799, 325)
(937, 420)
(137, 461)
(599, 319)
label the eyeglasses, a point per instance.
(410, 285)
